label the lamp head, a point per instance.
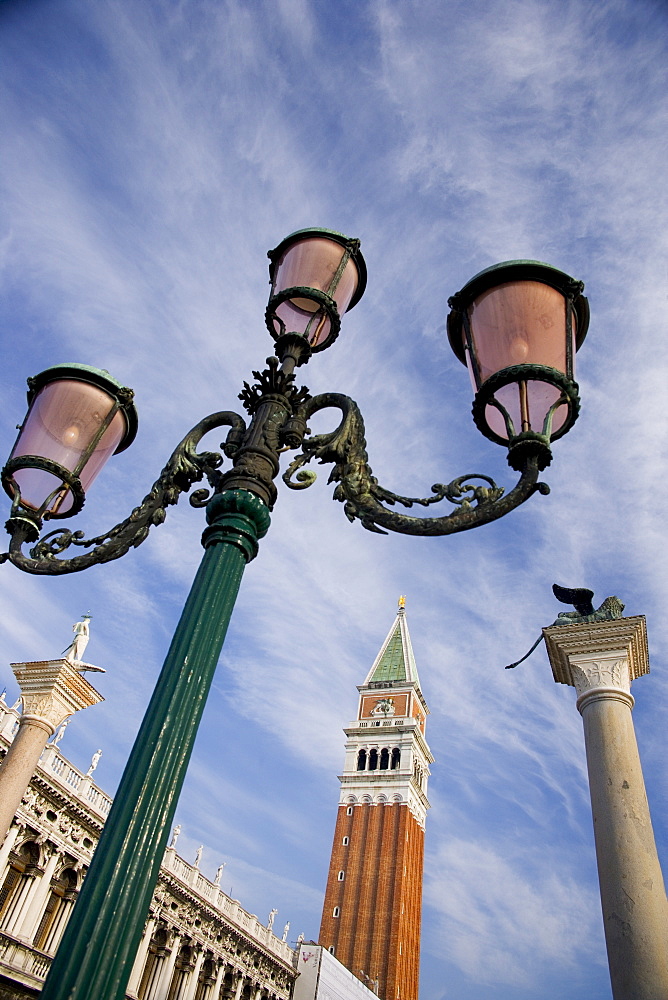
(517, 326)
(316, 275)
(77, 418)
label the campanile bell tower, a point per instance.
(371, 915)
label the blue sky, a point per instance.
(152, 153)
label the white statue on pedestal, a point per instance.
(175, 835)
(75, 650)
(270, 920)
(285, 931)
(198, 855)
(219, 873)
(94, 762)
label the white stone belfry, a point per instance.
(600, 659)
(51, 691)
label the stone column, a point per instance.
(51, 690)
(38, 902)
(141, 956)
(600, 660)
(6, 848)
(215, 993)
(13, 915)
(194, 976)
(162, 988)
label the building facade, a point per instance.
(373, 900)
(198, 943)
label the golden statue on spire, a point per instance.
(402, 601)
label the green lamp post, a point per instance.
(517, 326)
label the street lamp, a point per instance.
(517, 327)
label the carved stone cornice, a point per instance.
(598, 643)
(52, 690)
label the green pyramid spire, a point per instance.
(395, 661)
(391, 666)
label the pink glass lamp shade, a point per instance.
(77, 418)
(517, 326)
(316, 275)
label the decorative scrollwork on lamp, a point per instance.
(522, 312)
(185, 467)
(364, 498)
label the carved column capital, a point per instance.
(599, 659)
(601, 677)
(51, 691)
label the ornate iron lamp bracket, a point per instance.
(364, 498)
(185, 467)
(279, 413)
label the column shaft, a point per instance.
(38, 903)
(19, 766)
(141, 956)
(101, 941)
(601, 658)
(162, 986)
(633, 898)
(194, 976)
(8, 845)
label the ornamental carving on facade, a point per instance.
(33, 802)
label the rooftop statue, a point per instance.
(94, 762)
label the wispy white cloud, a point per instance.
(499, 924)
(156, 152)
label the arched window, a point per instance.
(23, 864)
(373, 759)
(361, 760)
(153, 967)
(341, 876)
(345, 841)
(182, 969)
(336, 911)
(396, 758)
(384, 759)
(57, 911)
(331, 949)
(205, 980)
(349, 811)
